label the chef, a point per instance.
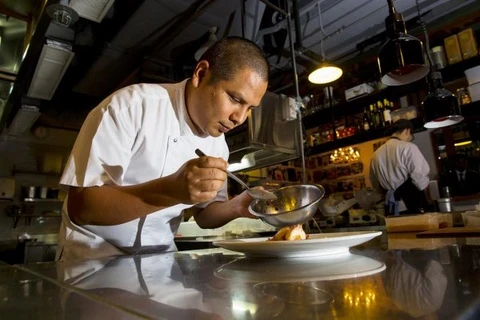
(399, 169)
(133, 168)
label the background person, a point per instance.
(461, 180)
(400, 171)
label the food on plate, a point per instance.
(290, 233)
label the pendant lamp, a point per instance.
(325, 73)
(440, 107)
(401, 59)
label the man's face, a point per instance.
(223, 105)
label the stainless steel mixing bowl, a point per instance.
(296, 204)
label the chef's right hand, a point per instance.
(199, 179)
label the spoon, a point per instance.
(254, 193)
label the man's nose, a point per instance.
(239, 116)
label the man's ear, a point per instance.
(200, 72)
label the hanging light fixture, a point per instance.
(212, 38)
(441, 107)
(326, 72)
(401, 59)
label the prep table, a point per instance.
(393, 276)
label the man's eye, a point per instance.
(236, 100)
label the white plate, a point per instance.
(341, 266)
(317, 245)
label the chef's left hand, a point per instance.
(242, 201)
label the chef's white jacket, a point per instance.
(139, 133)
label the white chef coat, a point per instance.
(394, 162)
(137, 134)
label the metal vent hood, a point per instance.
(269, 136)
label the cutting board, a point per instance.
(471, 231)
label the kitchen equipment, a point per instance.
(254, 193)
(296, 204)
(30, 191)
(468, 43)
(335, 204)
(474, 91)
(438, 57)
(361, 217)
(444, 204)
(473, 75)
(265, 138)
(358, 91)
(463, 96)
(43, 192)
(452, 48)
(367, 198)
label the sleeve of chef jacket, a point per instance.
(374, 180)
(102, 150)
(417, 166)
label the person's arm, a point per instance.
(217, 214)
(198, 180)
(417, 167)
(374, 180)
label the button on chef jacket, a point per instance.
(139, 133)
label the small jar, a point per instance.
(463, 96)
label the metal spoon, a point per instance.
(254, 193)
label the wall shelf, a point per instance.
(359, 138)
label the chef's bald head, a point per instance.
(229, 55)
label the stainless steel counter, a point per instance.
(390, 277)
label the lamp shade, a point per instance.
(401, 60)
(325, 73)
(440, 107)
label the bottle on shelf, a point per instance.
(380, 114)
(387, 117)
(366, 120)
(373, 114)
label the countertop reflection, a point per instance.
(372, 281)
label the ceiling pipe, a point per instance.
(296, 21)
(298, 99)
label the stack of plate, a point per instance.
(473, 78)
